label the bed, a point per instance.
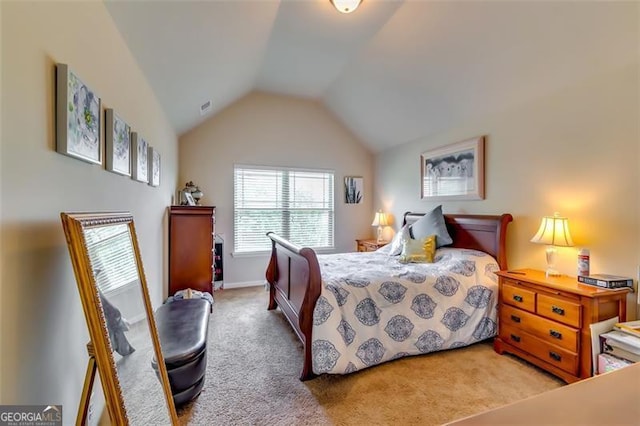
(317, 293)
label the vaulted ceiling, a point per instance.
(392, 71)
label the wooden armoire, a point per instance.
(191, 248)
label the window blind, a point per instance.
(111, 255)
(296, 204)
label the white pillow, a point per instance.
(395, 246)
(432, 223)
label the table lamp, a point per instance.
(554, 232)
(380, 220)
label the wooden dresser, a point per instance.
(369, 244)
(191, 248)
(546, 320)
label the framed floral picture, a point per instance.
(154, 167)
(118, 144)
(78, 110)
(139, 158)
(454, 171)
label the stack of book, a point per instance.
(606, 281)
(620, 346)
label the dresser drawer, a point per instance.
(547, 330)
(515, 295)
(559, 310)
(552, 354)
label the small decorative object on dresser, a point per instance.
(370, 244)
(189, 199)
(545, 320)
(190, 195)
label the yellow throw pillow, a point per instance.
(418, 251)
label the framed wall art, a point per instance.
(118, 144)
(454, 171)
(154, 167)
(78, 110)
(353, 189)
(139, 158)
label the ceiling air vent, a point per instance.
(205, 108)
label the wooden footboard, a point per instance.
(294, 278)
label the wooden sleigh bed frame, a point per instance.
(295, 283)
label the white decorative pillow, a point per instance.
(432, 223)
(395, 246)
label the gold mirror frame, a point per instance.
(74, 225)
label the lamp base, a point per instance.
(379, 238)
(552, 273)
(551, 262)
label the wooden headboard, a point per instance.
(480, 232)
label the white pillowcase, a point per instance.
(395, 246)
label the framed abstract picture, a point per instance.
(118, 144)
(454, 171)
(353, 189)
(154, 167)
(139, 158)
(78, 110)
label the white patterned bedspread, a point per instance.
(373, 308)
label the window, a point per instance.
(111, 254)
(295, 204)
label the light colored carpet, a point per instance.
(254, 361)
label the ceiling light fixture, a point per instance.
(346, 6)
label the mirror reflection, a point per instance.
(115, 271)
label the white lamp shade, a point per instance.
(380, 219)
(346, 6)
(554, 230)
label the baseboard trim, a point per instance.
(242, 284)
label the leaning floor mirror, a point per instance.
(108, 268)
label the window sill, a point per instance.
(324, 250)
(251, 253)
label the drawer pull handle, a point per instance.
(555, 334)
(517, 298)
(515, 338)
(556, 356)
(515, 318)
(557, 310)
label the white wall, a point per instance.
(576, 152)
(43, 331)
(272, 130)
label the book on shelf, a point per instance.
(606, 280)
(608, 362)
(620, 353)
(622, 340)
(630, 327)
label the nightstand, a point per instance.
(546, 320)
(370, 244)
